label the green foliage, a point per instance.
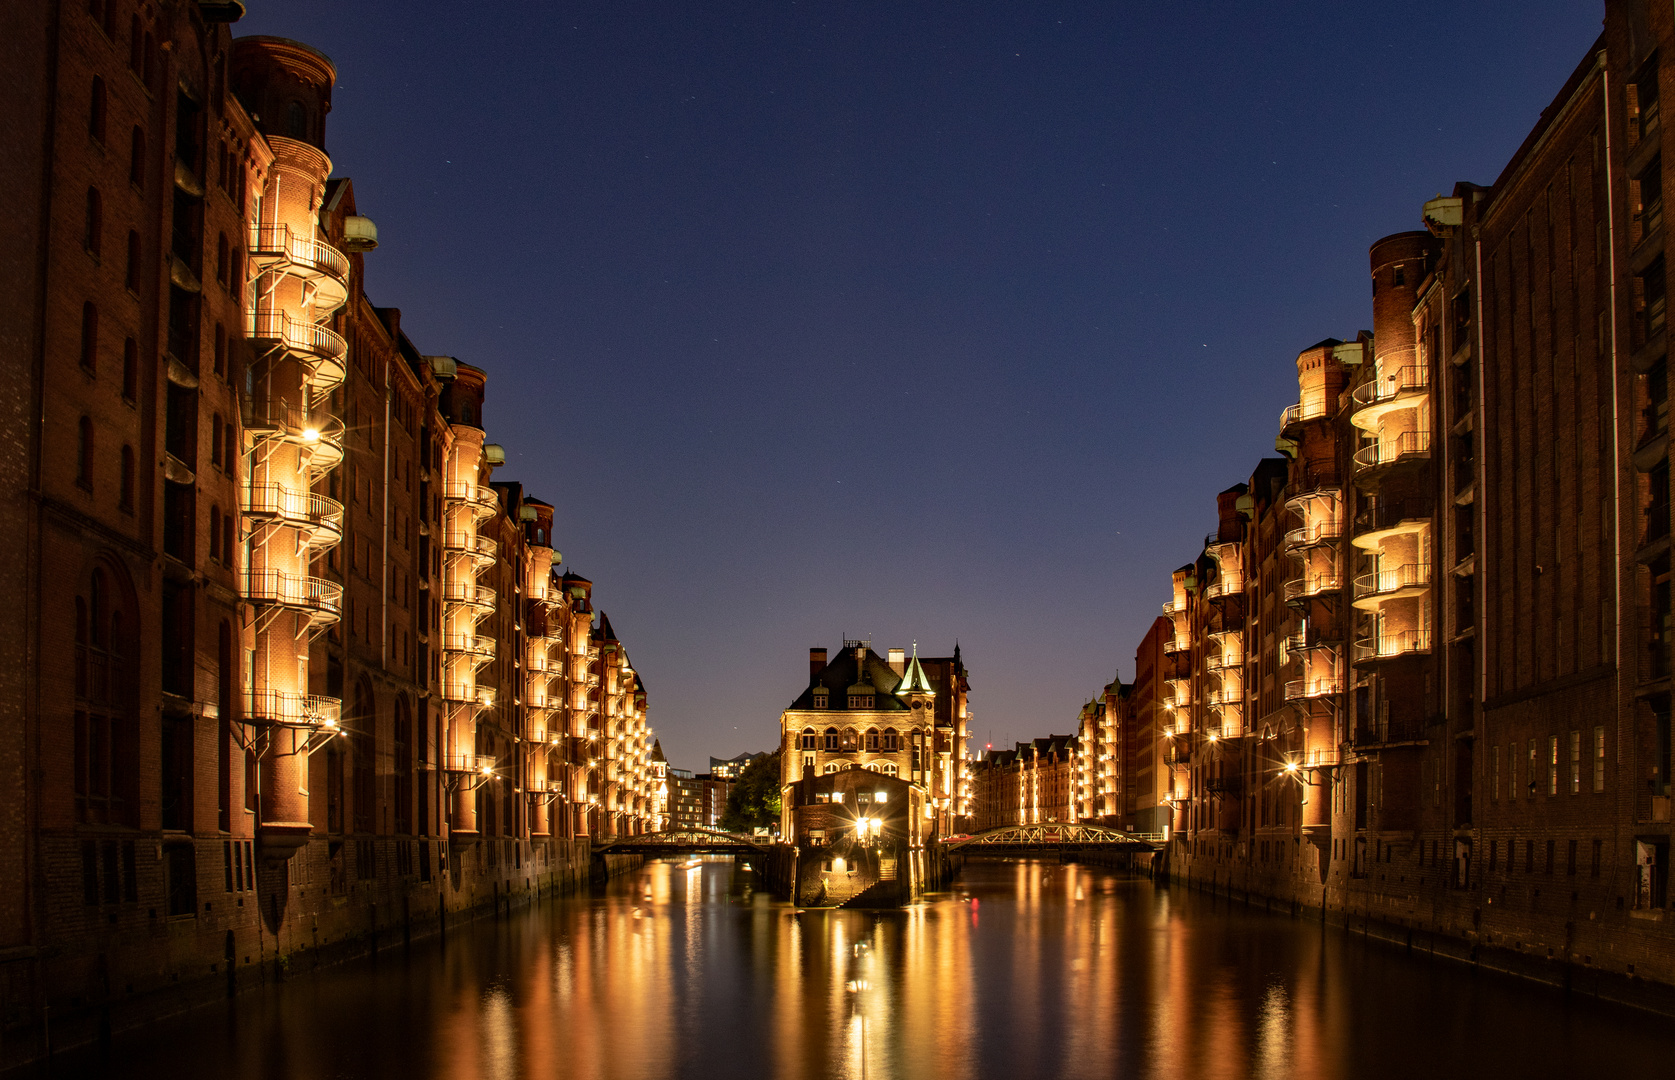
(753, 801)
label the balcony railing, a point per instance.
(1225, 661)
(1302, 412)
(1311, 585)
(479, 497)
(482, 764)
(480, 646)
(1174, 645)
(1308, 536)
(317, 596)
(1300, 641)
(287, 709)
(1408, 446)
(1305, 689)
(1174, 607)
(300, 509)
(461, 692)
(1224, 586)
(1225, 696)
(1413, 379)
(483, 549)
(1407, 578)
(321, 347)
(275, 247)
(468, 592)
(1401, 643)
(321, 435)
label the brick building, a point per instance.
(902, 716)
(292, 666)
(1032, 783)
(1420, 673)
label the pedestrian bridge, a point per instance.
(1054, 835)
(681, 841)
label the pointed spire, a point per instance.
(914, 679)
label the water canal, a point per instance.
(1025, 969)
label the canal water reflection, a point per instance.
(1025, 969)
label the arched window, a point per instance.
(889, 768)
(892, 741)
(833, 766)
(872, 740)
(810, 741)
(131, 276)
(84, 453)
(130, 370)
(125, 496)
(832, 738)
(136, 157)
(89, 337)
(104, 722)
(96, 110)
(93, 236)
(296, 121)
(850, 742)
(215, 532)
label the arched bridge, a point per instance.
(1054, 835)
(681, 841)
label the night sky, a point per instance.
(899, 320)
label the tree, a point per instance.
(753, 801)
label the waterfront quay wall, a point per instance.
(1560, 929)
(120, 965)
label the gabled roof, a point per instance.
(842, 672)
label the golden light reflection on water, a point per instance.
(1022, 970)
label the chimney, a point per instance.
(898, 661)
(816, 662)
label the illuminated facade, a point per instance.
(902, 716)
(294, 667)
(1034, 782)
(1420, 673)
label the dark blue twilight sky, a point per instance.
(899, 320)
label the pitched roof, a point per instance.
(842, 672)
(914, 680)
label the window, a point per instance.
(1599, 760)
(96, 110)
(296, 121)
(1529, 856)
(1552, 764)
(125, 498)
(1549, 870)
(1494, 854)
(831, 739)
(1495, 757)
(1532, 765)
(215, 440)
(809, 740)
(872, 740)
(215, 532)
(832, 766)
(1593, 869)
(222, 267)
(1575, 765)
(93, 233)
(860, 701)
(1570, 858)
(136, 157)
(130, 370)
(131, 276)
(1400, 278)
(892, 741)
(84, 454)
(89, 337)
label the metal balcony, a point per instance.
(1225, 696)
(282, 708)
(469, 593)
(1225, 661)
(320, 348)
(1225, 586)
(479, 498)
(1176, 645)
(1388, 646)
(1306, 689)
(318, 598)
(1304, 588)
(478, 646)
(480, 549)
(319, 516)
(462, 692)
(1172, 608)
(1404, 388)
(320, 436)
(481, 764)
(1408, 447)
(1409, 579)
(323, 269)
(1302, 413)
(1315, 535)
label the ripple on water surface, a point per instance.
(1025, 969)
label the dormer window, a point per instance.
(860, 701)
(821, 701)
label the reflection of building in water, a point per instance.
(855, 831)
(904, 717)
